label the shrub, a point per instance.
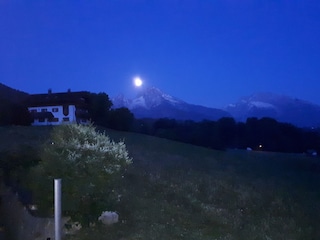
(88, 162)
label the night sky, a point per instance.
(206, 52)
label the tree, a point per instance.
(120, 119)
(13, 113)
(99, 108)
(88, 162)
(227, 131)
(21, 115)
(252, 133)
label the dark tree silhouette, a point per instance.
(265, 134)
(99, 107)
(227, 132)
(13, 113)
(120, 119)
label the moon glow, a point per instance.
(137, 82)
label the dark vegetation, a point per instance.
(175, 190)
(103, 115)
(12, 109)
(265, 134)
(179, 191)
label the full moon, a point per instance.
(137, 82)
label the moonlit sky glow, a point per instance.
(137, 81)
(204, 52)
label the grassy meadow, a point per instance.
(179, 191)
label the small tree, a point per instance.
(88, 162)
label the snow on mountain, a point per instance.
(153, 103)
(154, 97)
(280, 107)
(261, 104)
(137, 102)
(148, 99)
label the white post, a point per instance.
(57, 209)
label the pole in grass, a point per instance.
(57, 209)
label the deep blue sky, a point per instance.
(206, 52)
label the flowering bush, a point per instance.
(88, 162)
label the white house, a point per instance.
(58, 108)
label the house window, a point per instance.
(55, 109)
(43, 110)
(54, 120)
(65, 119)
(66, 110)
(33, 110)
(41, 119)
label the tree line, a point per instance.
(265, 134)
(98, 104)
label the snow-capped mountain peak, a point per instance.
(153, 103)
(154, 96)
(149, 98)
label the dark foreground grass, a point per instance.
(180, 191)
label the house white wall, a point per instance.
(58, 113)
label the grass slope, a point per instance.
(179, 191)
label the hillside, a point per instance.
(12, 108)
(180, 191)
(12, 95)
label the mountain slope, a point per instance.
(152, 103)
(12, 109)
(11, 95)
(282, 108)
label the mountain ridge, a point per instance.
(12, 95)
(153, 103)
(280, 107)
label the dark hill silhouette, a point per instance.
(12, 107)
(12, 95)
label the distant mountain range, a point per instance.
(282, 108)
(153, 103)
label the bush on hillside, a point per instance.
(88, 162)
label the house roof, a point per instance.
(53, 99)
